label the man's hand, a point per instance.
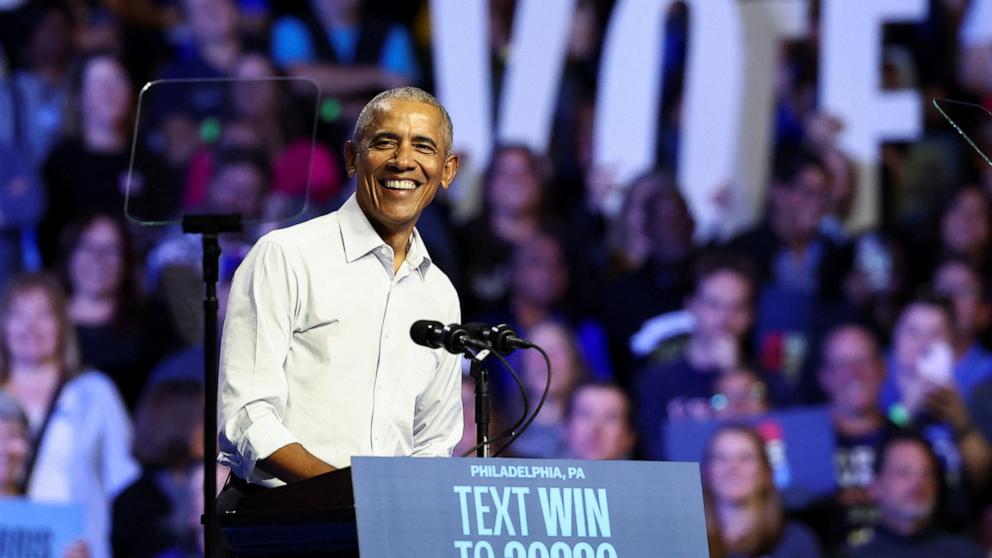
(293, 463)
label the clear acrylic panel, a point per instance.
(245, 146)
(972, 121)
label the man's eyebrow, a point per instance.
(425, 139)
(384, 135)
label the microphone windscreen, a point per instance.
(427, 333)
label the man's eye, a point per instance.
(382, 144)
(425, 148)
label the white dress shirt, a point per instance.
(316, 349)
(85, 455)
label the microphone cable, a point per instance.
(512, 431)
(544, 397)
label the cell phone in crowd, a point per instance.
(936, 364)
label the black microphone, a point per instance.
(456, 338)
(453, 337)
(502, 338)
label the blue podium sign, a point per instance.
(527, 508)
(28, 529)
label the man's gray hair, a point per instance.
(414, 94)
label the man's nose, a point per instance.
(402, 158)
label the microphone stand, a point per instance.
(209, 226)
(482, 400)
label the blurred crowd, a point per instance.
(647, 323)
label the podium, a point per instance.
(314, 517)
(466, 508)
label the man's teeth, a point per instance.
(399, 184)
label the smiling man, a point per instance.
(317, 364)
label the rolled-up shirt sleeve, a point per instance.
(254, 389)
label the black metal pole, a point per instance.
(211, 263)
(209, 227)
(482, 406)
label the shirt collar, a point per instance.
(360, 238)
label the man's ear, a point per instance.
(350, 157)
(449, 170)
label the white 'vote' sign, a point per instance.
(728, 98)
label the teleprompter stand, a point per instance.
(209, 227)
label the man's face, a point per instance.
(906, 487)
(722, 305)
(852, 372)
(597, 426)
(919, 327)
(399, 163)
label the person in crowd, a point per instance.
(851, 372)
(173, 275)
(740, 394)
(599, 422)
(822, 137)
(513, 213)
(78, 428)
(88, 171)
(348, 53)
(33, 100)
(877, 283)
(800, 270)
(14, 453)
(906, 489)
(629, 238)
(744, 515)
(660, 283)
(240, 181)
(545, 436)
(97, 265)
(263, 118)
(541, 291)
(208, 53)
(962, 283)
(214, 48)
(681, 382)
(920, 392)
(965, 231)
(149, 516)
